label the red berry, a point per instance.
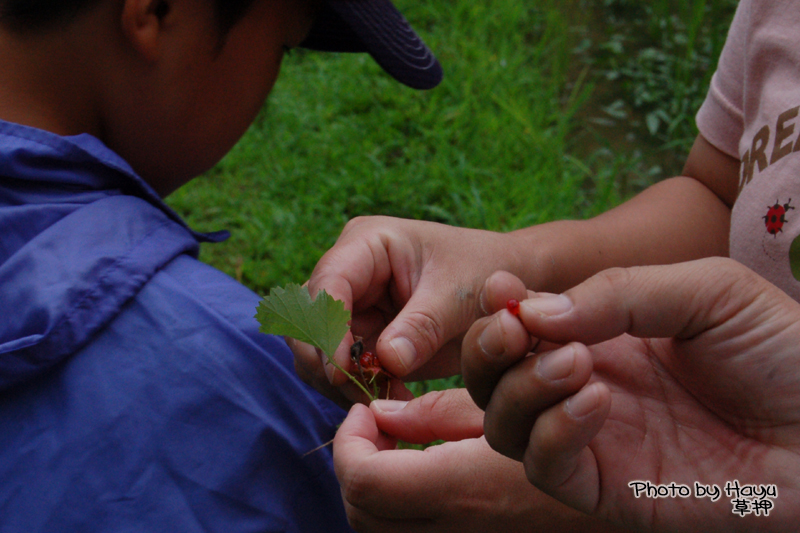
(369, 361)
(513, 306)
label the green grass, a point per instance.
(548, 110)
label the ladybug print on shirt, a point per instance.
(776, 217)
(765, 221)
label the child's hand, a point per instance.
(414, 289)
(709, 393)
(461, 486)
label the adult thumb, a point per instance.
(682, 301)
(449, 415)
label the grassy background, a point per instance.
(549, 109)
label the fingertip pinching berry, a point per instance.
(513, 306)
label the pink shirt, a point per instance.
(752, 113)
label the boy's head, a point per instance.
(35, 15)
(171, 85)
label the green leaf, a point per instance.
(291, 312)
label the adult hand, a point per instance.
(700, 382)
(461, 486)
(414, 289)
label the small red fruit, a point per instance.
(368, 361)
(513, 306)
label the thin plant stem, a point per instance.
(338, 367)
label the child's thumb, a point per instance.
(437, 316)
(423, 327)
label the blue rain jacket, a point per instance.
(136, 393)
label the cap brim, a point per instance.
(378, 28)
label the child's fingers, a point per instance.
(429, 322)
(310, 368)
(491, 346)
(447, 415)
(557, 459)
(499, 288)
(529, 388)
(385, 483)
(357, 272)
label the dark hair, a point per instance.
(32, 15)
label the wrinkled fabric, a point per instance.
(136, 393)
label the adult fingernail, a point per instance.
(404, 351)
(482, 302)
(388, 406)
(491, 339)
(548, 304)
(584, 403)
(557, 365)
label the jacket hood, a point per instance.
(80, 234)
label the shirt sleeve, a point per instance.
(721, 117)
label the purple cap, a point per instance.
(378, 28)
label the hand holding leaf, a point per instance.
(322, 322)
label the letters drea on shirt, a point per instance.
(770, 145)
